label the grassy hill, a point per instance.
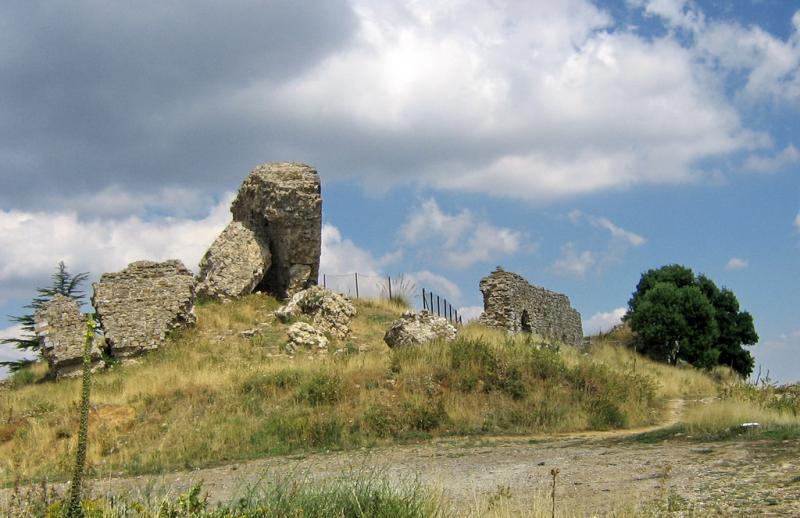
(213, 395)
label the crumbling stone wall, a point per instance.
(138, 306)
(61, 329)
(511, 303)
(281, 203)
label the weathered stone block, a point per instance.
(282, 204)
(305, 337)
(138, 306)
(61, 329)
(418, 328)
(511, 303)
(234, 264)
(330, 312)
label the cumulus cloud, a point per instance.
(797, 221)
(573, 262)
(771, 163)
(469, 313)
(603, 321)
(461, 239)
(32, 243)
(532, 100)
(440, 284)
(735, 263)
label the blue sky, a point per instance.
(578, 143)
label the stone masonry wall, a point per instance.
(61, 327)
(138, 306)
(511, 303)
(281, 203)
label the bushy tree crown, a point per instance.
(680, 316)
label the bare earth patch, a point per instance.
(596, 475)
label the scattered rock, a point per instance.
(234, 264)
(138, 306)
(281, 204)
(418, 328)
(330, 312)
(303, 336)
(511, 303)
(61, 329)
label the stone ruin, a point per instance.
(140, 305)
(329, 312)
(418, 328)
(275, 239)
(513, 304)
(61, 329)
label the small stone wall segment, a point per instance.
(234, 264)
(513, 304)
(138, 306)
(61, 329)
(281, 203)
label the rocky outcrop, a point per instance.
(305, 337)
(330, 312)
(61, 329)
(418, 328)
(138, 306)
(234, 264)
(281, 204)
(511, 303)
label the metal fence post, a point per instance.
(389, 277)
(356, 276)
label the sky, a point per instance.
(578, 143)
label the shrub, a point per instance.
(322, 389)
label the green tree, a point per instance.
(680, 316)
(63, 283)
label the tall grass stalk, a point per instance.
(74, 509)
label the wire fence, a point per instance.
(441, 308)
(371, 286)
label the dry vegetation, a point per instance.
(213, 396)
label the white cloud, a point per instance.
(574, 263)
(620, 240)
(771, 65)
(439, 284)
(32, 243)
(532, 100)
(602, 321)
(735, 263)
(797, 221)
(468, 313)
(340, 259)
(769, 164)
(460, 239)
(617, 233)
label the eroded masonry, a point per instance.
(512, 303)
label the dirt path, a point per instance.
(598, 472)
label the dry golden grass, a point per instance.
(720, 415)
(614, 350)
(213, 396)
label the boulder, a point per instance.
(418, 328)
(330, 312)
(303, 336)
(281, 204)
(234, 264)
(61, 329)
(138, 306)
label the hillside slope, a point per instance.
(214, 395)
